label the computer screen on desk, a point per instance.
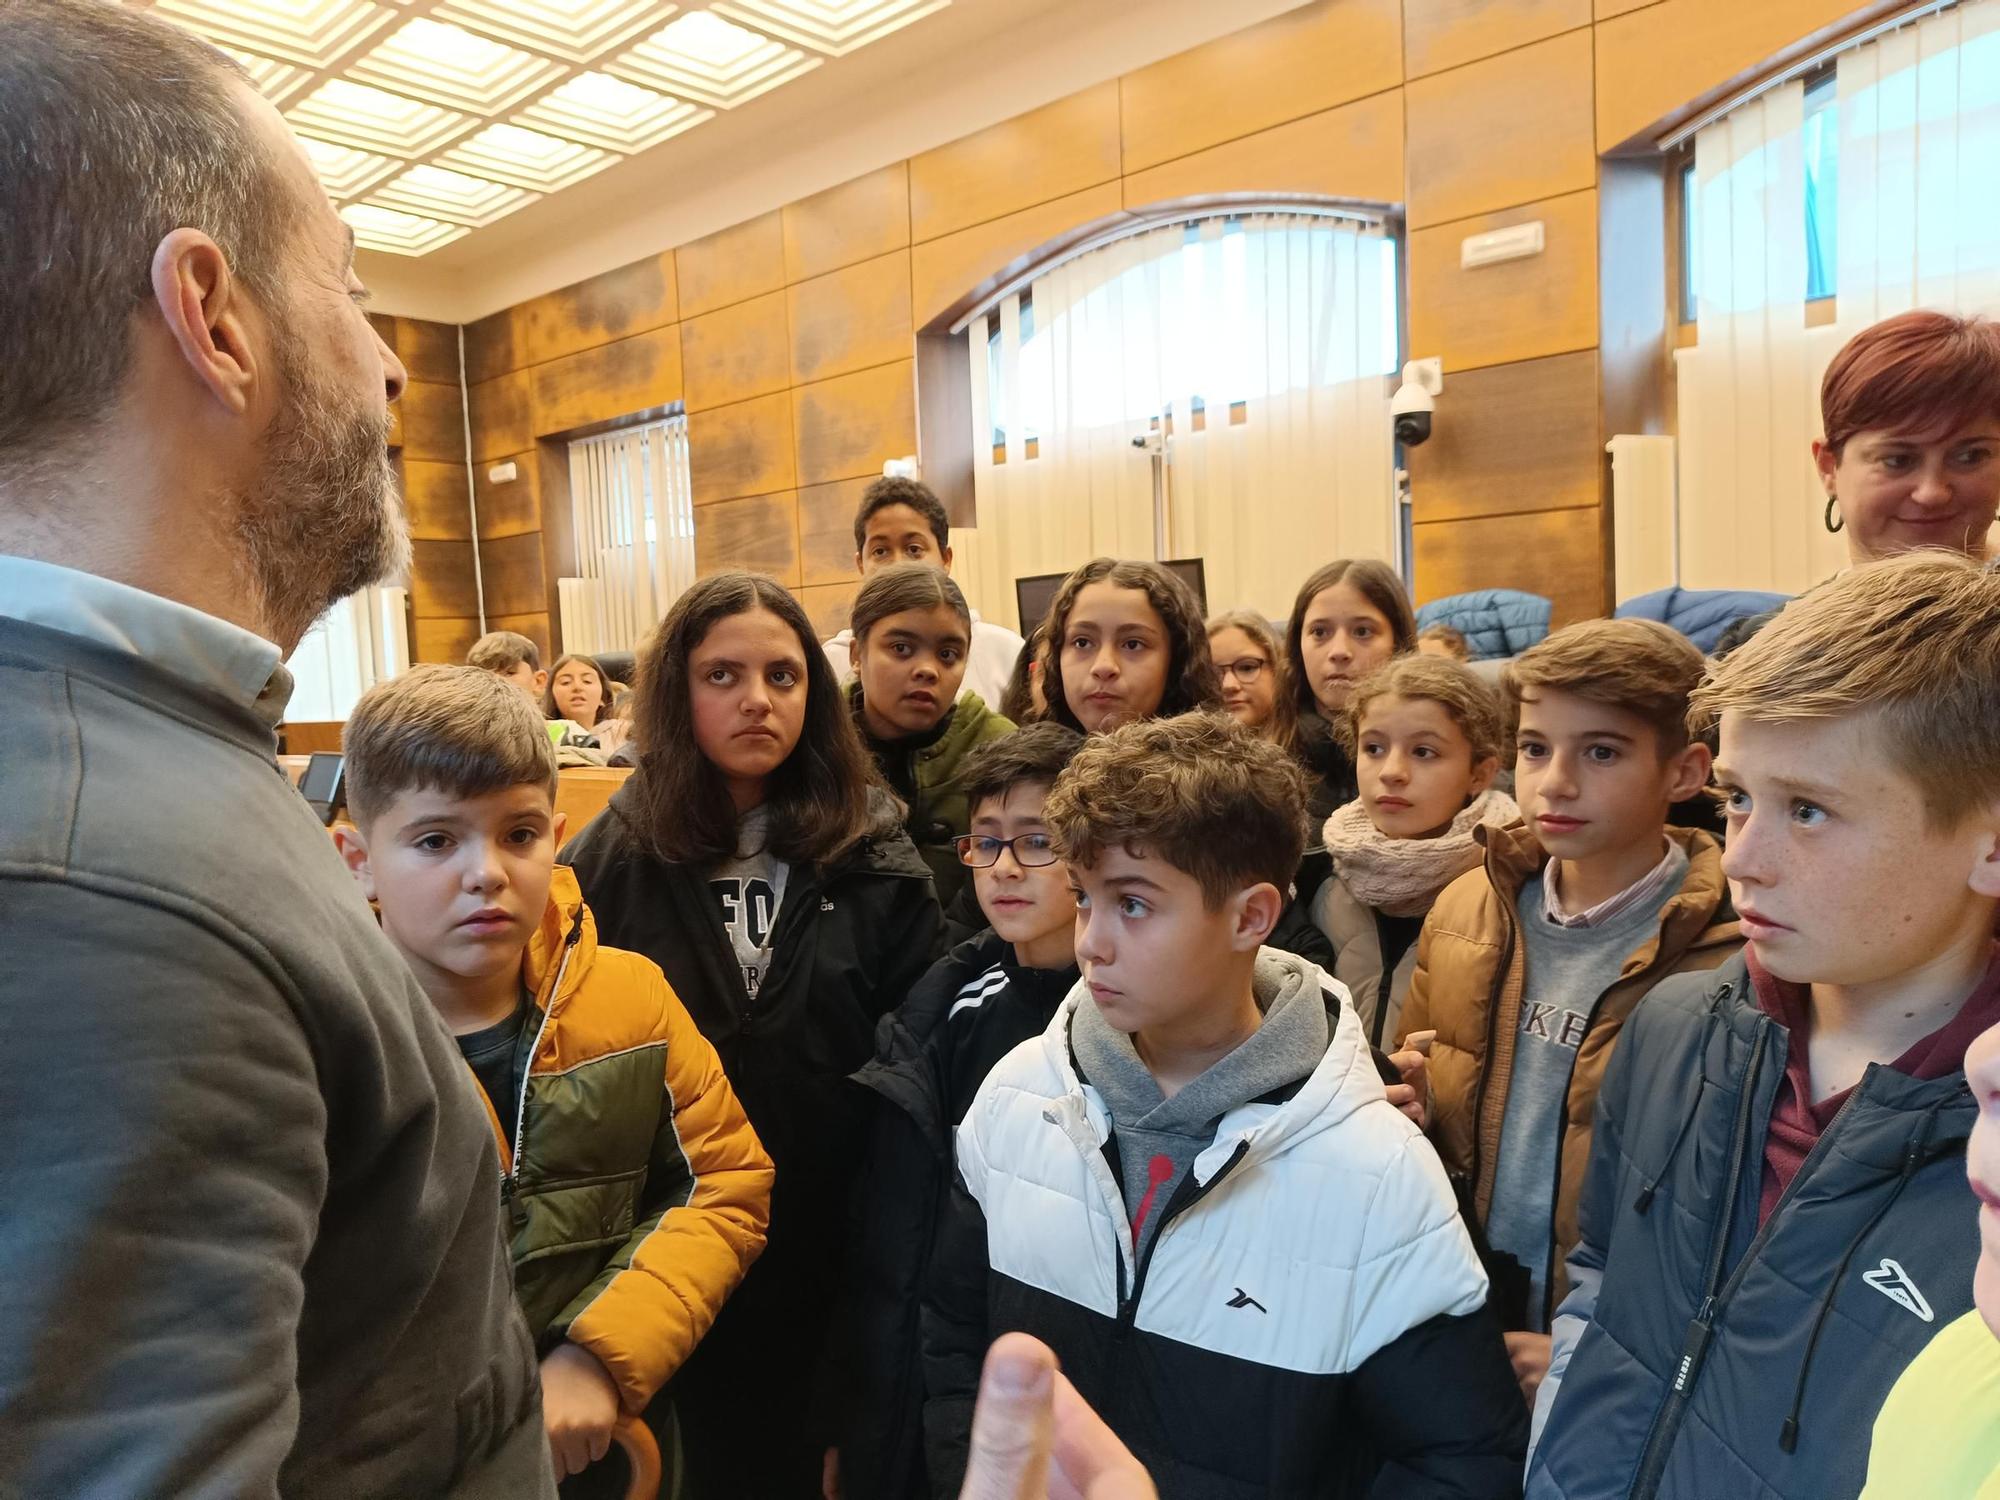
(1033, 595)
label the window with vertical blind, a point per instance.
(362, 640)
(632, 510)
(1873, 187)
(1215, 389)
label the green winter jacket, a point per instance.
(923, 769)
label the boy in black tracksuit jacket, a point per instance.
(1773, 1221)
(976, 1004)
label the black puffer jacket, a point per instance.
(974, 1007)
(852, 938)
(1700, 1355)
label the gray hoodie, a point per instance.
(1159, 1138)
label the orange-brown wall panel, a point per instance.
(740, 450)
(850, 319)
(1521, 309)
(851, 426)
(601, 385)
(1048, 152)
(827, 606)
(856, 221)
(428, 351)
(434, 499)
(633, 299)
(1517, 437)
(826, 530)
(1503, 131)
(433, 422)
(1296, 64)
(534, 625)
(1440, 34)
(745, 260)
(1559, 554)
(443, 640)
(758, 534)
(944, 272)
(1606, 9)
(736, 352)
(1354, 151)
(441, 581)
(511, 575)
(493, 346)
(502, 419)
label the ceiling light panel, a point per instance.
(439, 193)
(830, 26)
(449, 65)
(703, 57)
(609, 112)
(311, 32)
(525, 158)
(346, 172)
(276, 81)
(574, 30)
(377, 228)
(371, 119)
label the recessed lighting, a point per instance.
(830, 26)
(356, 115)
(614, 114)
(312, 32)
(346, 172)
(399, 233)
(575, 30)
(440, 193)
(525, 158)
(701, 56)
(434, 60)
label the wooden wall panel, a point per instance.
(1559, 554)
(1522, 309)
(1606, 9)
(633, 299)
(433, 422)
(534, 626)
(826, 530)
(604, 384)
(850, 319)
(741, 450)
(1507, 130)
(434, 499)
(1355, 151)
(742, 261)
(429, 351)
(512, 508)
(1665, 60)
(1440, 34)
(502, 416)
(735, 353)
(856, 221)
(441, 582)
(759, 534)
(853, 425)
(1518, 437)
(827, 606)
(510, 570)
(1299, 63)
(445, 640)
(493, 346)
(1048, 152)
(945, 273)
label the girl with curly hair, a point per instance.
(1124, 641)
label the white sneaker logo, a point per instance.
(1893, 1282)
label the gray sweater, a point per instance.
(252, 1240)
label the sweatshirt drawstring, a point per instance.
(1645, 1199)
(1913, 1157)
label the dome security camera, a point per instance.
(1412, 407)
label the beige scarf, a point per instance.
(1402, 877)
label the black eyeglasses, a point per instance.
(1031, 850)
(1246, 671)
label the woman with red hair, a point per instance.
(1911, 456)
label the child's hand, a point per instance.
(829, 1475)
(1530, 1354)
(579, 1408)
(1413, 1095)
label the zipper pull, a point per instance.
(1695, 1348)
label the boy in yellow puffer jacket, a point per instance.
(637, 1191)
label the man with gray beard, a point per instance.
(252, 1240)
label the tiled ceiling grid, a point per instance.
(428, 119)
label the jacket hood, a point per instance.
(1343, 1081)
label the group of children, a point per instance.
(1341, 1118)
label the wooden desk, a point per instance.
(581, 791)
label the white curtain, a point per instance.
(632, 508)
(1917, 221)
(362, 640)
(1246, 359)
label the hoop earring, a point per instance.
(1834, 520)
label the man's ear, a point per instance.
(1986, 871)
(201, 303)
(1689, 770)
(353, 846)
(1257, 912)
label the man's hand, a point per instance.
(829, 1475)
(579, 1408)
(1530, 1354)
(1033, 1438)
(1413, 1095)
